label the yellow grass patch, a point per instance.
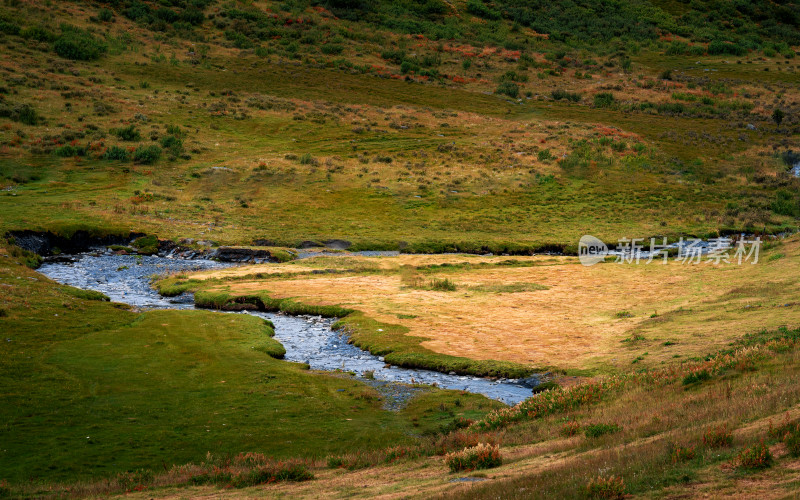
(599, 317)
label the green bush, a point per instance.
(332, 49)
(778, 115)
(682, 454)
(597, 430)
(559, 94)
(240, 41)
(147, 154)
(38, 33)
(611, 487)
(443, 285)
(9, 28)
(480, 9)
(570, 429)
(23, 113)
(696, 377)
(105, 15)
(785, 204)
(261, 475)
(172, 144)
(792, 441)
(674, 108)
(408, 67)
(68, 151)
(718, 437)
(483, 456)
(718, 47)
(604, 100)
(79, 46)
(755, 457)
(508, 88)
(129, 133)
(116, 153)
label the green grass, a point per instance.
(381, 339)
(92, 389)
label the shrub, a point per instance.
(116, 153)
(147, 154)
(681, 454)
(306, 159)
(777, 116)
(23, 113)
(193, 15)
(482, 456)
(696, 377)
(559, 94)
(332, 49)
(173, 144)
(792, 441)
(544, 155)
(65, 151)
(259, 470)
(79, 46)
(718, 437)
(38, 33)
(443, 285)
(175, 130)
(335, 462)
(604, 100)
(9, 28)
(718, 47)
(790, 158)
(508, 88)
(755, 457)
(675, 108)
(597, 430)
(129, 133)
(408, 67)
(606, 487)
(105, 15)
(785, 204)
(480, 9)
(240, 40)
(570, 429)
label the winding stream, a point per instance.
(308, 339)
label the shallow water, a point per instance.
(308, 339)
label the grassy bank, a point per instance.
(536, 311)
(381, 339)
(92, 389)
(659, 433)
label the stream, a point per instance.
(307, 339)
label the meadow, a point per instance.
(481, 139)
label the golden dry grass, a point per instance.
(574, 323)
